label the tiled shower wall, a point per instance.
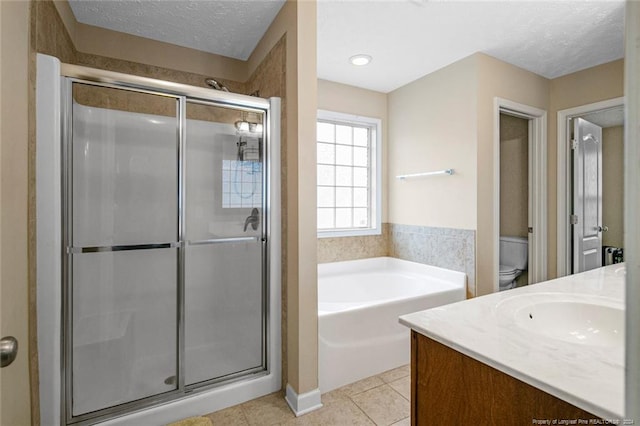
(443, 247)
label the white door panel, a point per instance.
(587, 196)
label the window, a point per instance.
(349, 181)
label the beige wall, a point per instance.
(514, 176)
(14, 56)
(445, 120)
(368, 103)
(432, 126)
(300, 335)
(303, 319)
(497, 79)
(353, 100)
(580, 88)
(425, 134)
(613, 185)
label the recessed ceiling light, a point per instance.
(360, 60)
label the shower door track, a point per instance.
(182, 93)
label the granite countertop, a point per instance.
(590, 377)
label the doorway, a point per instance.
(535, 121)
(514, 201)
(590, 186)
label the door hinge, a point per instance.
(574, 144)
(573, 219)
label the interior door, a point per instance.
(587, 196)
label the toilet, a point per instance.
(514, 254)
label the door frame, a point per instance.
(537, 219)
(563, 230)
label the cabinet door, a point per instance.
(448, 387)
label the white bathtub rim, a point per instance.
(360, 265)
(453, 281)
(386, 302)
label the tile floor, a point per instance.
(381, 400)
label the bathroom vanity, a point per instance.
(545, 352)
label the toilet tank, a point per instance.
(514, 252)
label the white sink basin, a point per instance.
(574, 318)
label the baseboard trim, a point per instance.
(303, 403)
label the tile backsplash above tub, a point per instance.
(337, 249)
(443, 247)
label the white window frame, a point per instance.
(375, 173)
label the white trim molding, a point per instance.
(303, 403)
(563, 178)
(632, 203)
(537, 186)
(375, 187)
(48, 219)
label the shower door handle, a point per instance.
(222, 240)
(253, 219)
(8, 350)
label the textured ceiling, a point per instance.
(409, 39)
(606, 118)
(406, 38)
(230, 28)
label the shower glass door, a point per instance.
(165, 277)
(225, 243)
(122, 247)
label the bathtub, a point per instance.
(359, 303)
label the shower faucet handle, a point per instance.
(253, 219)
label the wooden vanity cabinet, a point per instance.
(449, 388)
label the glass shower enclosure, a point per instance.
(165, 283)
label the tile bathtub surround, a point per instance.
(443, 247)
(337, 249)
(381, 400)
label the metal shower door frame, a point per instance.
(182, 93)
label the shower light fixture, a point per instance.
(242, 125)
(255, 127)
(360, 60)
(247, 126)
